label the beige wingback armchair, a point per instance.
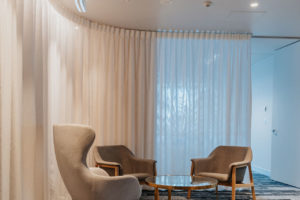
(72, 143)
(227, 164)
(122, 161)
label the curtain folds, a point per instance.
(203, 96)
(72, 71)
(100, 76)
(10, 100)
(141, 89)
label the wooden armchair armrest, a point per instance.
(239, 164)
(110, 165)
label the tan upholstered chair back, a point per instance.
(71, 147)
(119, 154)
(223, 156)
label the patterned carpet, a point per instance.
(265, 188)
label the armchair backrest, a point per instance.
(116, 153)
(223, 156)
(72, 143)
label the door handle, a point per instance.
(274, 131)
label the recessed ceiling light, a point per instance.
(254, 4)
(80, 5)
(207, 3)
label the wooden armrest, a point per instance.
(239, 164)
(114, 166)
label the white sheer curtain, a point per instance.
(10, 100)
(72, 71)
(203, 96)
(101, 76)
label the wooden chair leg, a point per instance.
(233, 178)
(189, 194)
(252, 182)
(156, 194)
(217, 195)
(192, 173)
(169, 194)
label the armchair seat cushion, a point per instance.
(140, 176)
(220, 177)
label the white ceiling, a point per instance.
(271, 18)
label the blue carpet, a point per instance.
(265, 188)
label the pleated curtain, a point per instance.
(10, 100)
(101, 76)
(167, 96)
(203, 97)
(59, 68)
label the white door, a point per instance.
(285, 160)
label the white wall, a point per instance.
(285, 166)
(262, 95)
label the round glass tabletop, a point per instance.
(182, 182)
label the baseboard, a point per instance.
(261, 170)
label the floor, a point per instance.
(265, 188)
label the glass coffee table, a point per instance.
(188, 183)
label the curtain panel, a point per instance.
(203, 96)
(59, 68)
(10, 100)
(101, 76)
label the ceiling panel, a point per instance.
(272, 17)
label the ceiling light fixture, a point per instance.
(80, 5)
(207, 3)
(254, 4)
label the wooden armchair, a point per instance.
(228, 165)
(119, 160)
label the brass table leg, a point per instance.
(169, 194)
(189, 194)
(156, 194)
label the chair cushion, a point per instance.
(140, 176)
(219, 176)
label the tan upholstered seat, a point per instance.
(72, 143)
(228, 165)
(123, 162)
(219, 176)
